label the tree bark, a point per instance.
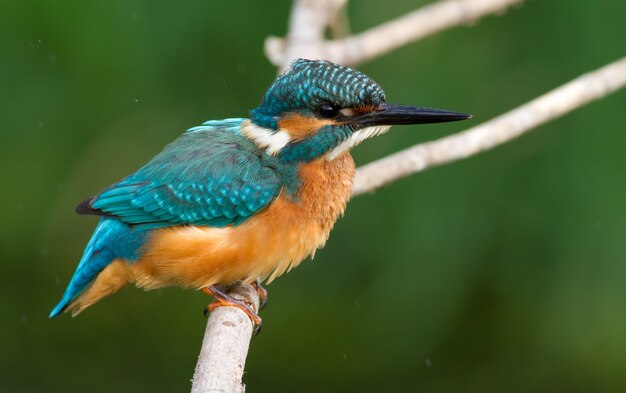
(224, 349)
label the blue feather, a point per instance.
(211, 176)
(111, 239)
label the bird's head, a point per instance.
(321, 109)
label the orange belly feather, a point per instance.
(265, 246)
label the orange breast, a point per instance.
(265, 246)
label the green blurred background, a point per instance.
(505, 272)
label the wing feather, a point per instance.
(209, 177)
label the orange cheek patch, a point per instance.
(299, 127)
(365, 108)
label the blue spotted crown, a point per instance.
(309, 83)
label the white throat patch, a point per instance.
(270, 140)
(356, 138)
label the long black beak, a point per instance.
(391, 114)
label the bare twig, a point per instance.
(580, 91)
(411, 27)
(225, 346)
(307, 24)
(376, 41)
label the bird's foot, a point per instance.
(224, 300)
(262, 292)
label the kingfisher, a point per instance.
(239, 200)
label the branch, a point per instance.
(307, 24)
(376, 41)
(225, 346)
(411, 27)
(580, 91)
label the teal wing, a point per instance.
(210, 176)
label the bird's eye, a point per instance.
(328, 111)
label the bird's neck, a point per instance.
(319, 183)
(325, 188)
(298, 139)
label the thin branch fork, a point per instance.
(412, 27)
(307, 25)
(308, 41)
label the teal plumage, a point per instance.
(211, 175)
(309, 83)
(225, 172)
(111, 239)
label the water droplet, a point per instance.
(427, 361)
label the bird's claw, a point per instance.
(224, 300)
(262, 292)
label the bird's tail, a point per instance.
(97, 255)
